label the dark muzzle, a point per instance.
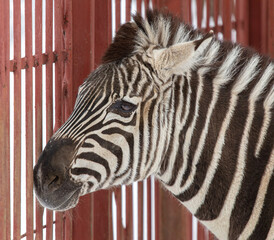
(53, 186)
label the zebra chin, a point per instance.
(59, 201)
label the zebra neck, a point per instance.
(188, 116)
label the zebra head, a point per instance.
(119, 130)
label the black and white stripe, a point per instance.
(202, 123)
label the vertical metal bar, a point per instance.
(156, 4)
(7, 118)
(78, 66)
(188, 223)
(171, 216)
(117, 14)
(101, 33)
(58, 33)
(117, 194)
(227, 19)
(242, 21)
(199, 12)
(270, 35)
(208, 8)
(149, 225)
(216, 14)
(146, 2)
(101, 37)
(17, 121)
(49, 97)
(186, 11)
(68, 225)
(110, 226)
(139, 6)
(265, 15)
(128, 10)
(68, 71)
(158, 210)
(201, 232)
(100, 218)
(129, 213)
(59, 225)
(68, 90)
(140, 210)
(255, 24)
(29, 121)
(38, 105)
(49, 70)
(5, 101)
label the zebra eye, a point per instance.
(122, 108)
(127, 107)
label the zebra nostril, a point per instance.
(54, 182)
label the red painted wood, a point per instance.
(148, 208)
(4, 89)
(146, 2)
(201, 232)
(58, 32)
(128, 8)
(227, 19)
(117, 14)
(29, 122)
(216, 9)
(265, 15)
(59, 65)
(7, 121)
(208, 7)
(68, 224)
(38, 106)
(67, 89)
(17, 123)
(68, 81)
(49, 96)
(100, 216)
(140, 210)
(139, 6)
(158, 210)
(78, 69)
(100, 38)
(186, 11)
(200, 4)
(129, 213)
(261, 31)
(255, 24)
(117, 194)
(242, 20)
(270, 27)
(188, 223)
(100, 32)
(256, 29)
(59, 231)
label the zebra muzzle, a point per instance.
(53, 186)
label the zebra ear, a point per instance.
(179, 57)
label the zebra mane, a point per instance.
(159, 28)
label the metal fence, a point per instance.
(47, 48)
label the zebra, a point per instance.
(171, 101)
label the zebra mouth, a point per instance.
(71, 202)
(59, 200)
